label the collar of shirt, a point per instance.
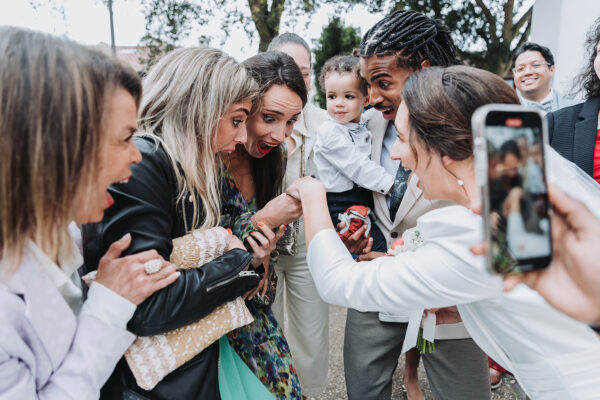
(389, 139)
(354, 128)
(544, 105)
(65, 278)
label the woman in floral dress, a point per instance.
(251, 202)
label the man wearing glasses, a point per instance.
(533, 68)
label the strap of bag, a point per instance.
(302, 166)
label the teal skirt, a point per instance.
(236, 381)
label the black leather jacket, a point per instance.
(146, 208)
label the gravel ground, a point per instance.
(336, 389)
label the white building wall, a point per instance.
(562, 25)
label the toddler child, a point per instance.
(342, 151)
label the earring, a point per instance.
(460, 182)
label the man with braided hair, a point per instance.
(398, 45)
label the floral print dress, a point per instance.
(260, 344)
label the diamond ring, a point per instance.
(152, 266)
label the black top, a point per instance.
(572, 132)
(146, 208)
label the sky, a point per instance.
(87, 21)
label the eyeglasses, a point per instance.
(536, 66)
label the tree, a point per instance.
(167, 22)
(336, 39)
(261, 17)
(487, 33)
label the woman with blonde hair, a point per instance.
(67, 117)
(195, 105)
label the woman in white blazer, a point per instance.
(550, 354)
(67, 115)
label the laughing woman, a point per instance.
(551, 355)
(67, 117)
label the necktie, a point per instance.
(398, 190)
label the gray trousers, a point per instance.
(457, 369)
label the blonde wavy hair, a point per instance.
(185, 95)
(53, 97)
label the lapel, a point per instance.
(585, 135)
(413, 193)
(310, 120)
(45, 309)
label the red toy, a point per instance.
(355, 217)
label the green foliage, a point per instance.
(167, 22)
(336, 39)
(487, 33)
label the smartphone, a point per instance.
(510, 171)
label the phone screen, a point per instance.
(518, 206)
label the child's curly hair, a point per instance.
(342, 64)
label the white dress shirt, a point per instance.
(552, 102)
(551, 355)
(101, 303)
(343, 158)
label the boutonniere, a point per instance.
(411, 240)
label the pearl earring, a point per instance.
(460, 182)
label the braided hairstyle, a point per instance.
(412, 36)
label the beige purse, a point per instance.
(151, 358)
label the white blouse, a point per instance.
(551, 355)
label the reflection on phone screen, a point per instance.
(520, 226)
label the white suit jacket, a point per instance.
(551, 355)
(413, 205)
(306, 127)
(47, 352)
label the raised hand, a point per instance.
(127, 275)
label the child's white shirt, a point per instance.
(342, 155)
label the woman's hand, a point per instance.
(303, 186)
(234, 242)
(262, 286)
(282, 210)
(263, 244)
(445, 315)
(127, 276)
(571, 283)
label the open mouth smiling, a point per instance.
(265, 147)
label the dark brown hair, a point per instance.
(53, 97)
(340, 65)
(587, 81)
(269, 69)
(441, 101)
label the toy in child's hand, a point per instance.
(354, 218)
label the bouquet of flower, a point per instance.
(411, 240)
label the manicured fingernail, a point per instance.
(126, 236)
(260, 224)
(282, 227)
(229, 231)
